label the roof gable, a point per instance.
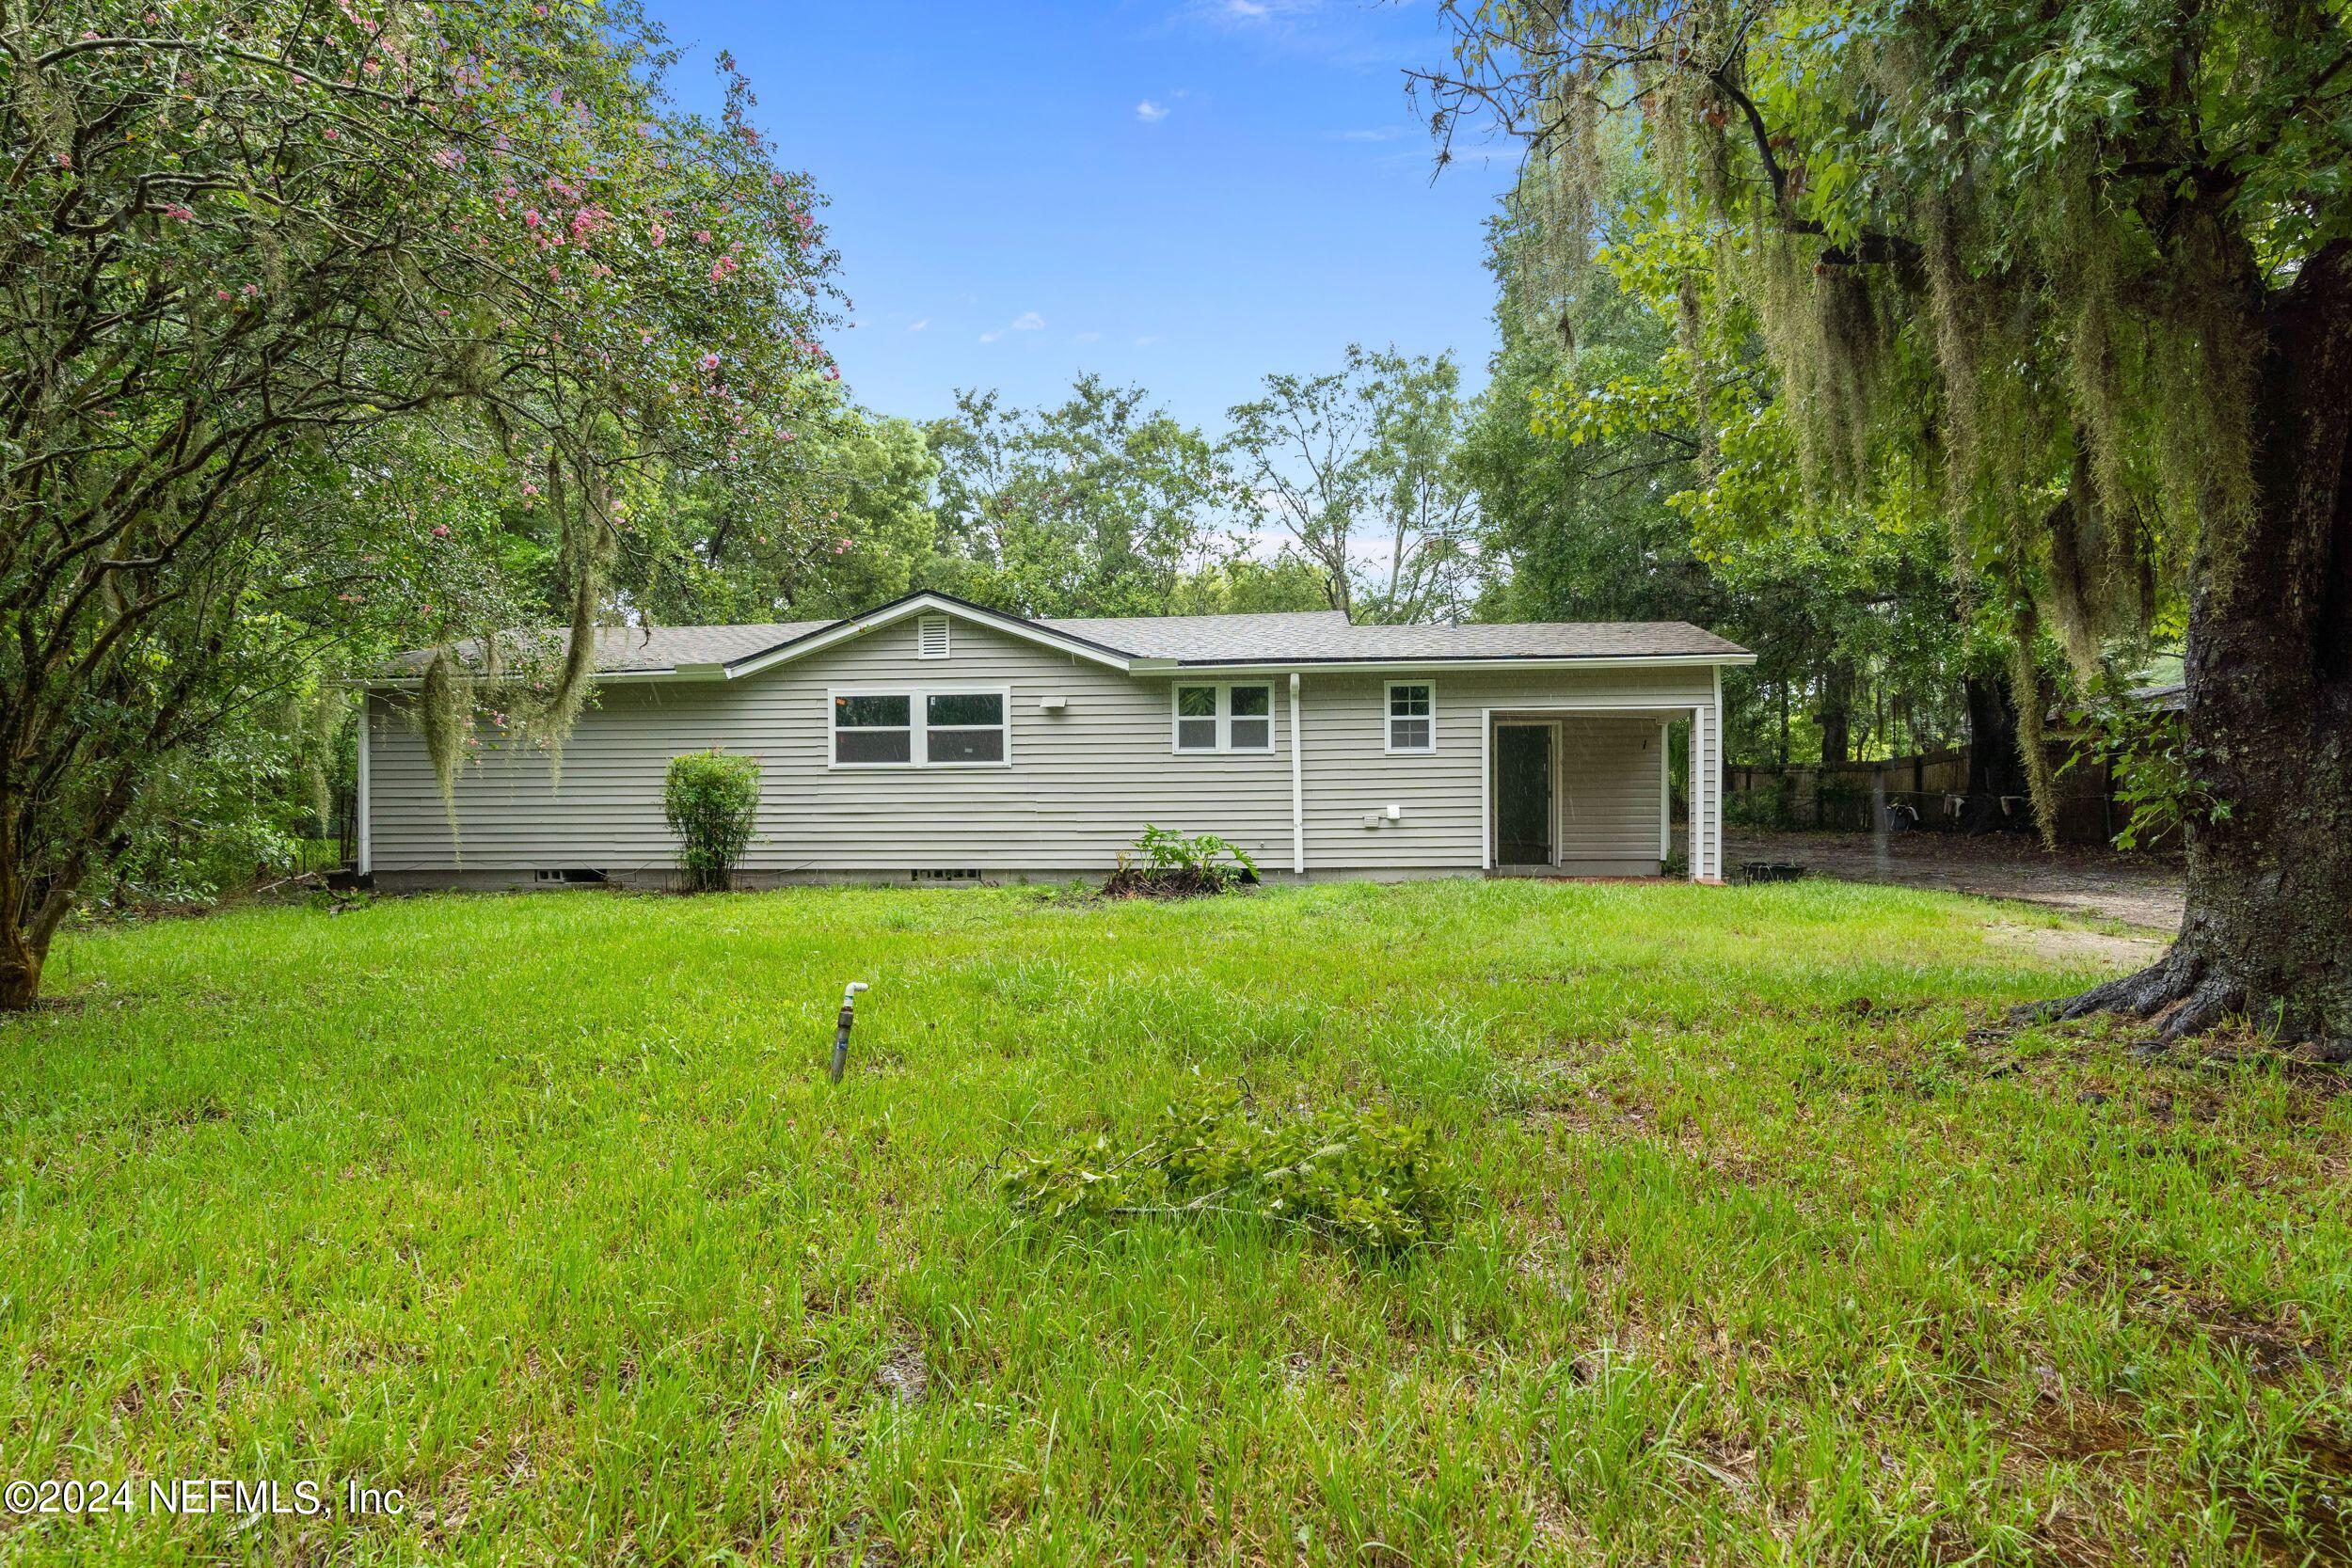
(833, 634)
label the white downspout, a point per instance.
(1298, 785)
(362, 861)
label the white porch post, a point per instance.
(1485, 789)
(1298, 787)
(1666, 793)
(1715, 780)
(1698, 803)
(361, 858)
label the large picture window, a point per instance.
(1412, 716)
(920, 729)
(1221, 716)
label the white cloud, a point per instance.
(1147, 341)
(1087, 338)
(1388, 134)
(918, 326)
(1251, 11)
(1029, 321)
(1150, 113)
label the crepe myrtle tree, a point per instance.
(2089, 265)
(318, 319)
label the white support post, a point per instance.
(1715, 782)
(1698, 803)
(362, 861)
(1298, 785)
(1485, 789)
(1665, 794)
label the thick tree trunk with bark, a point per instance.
(1996, 769)
(20, 971)
(2268, 928)
(20, 953)
(1836, 711)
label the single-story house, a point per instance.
(933, 739)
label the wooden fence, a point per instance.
(1928, 791)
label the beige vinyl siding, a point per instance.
(1350, 776)
(1608, 797)
(1082, 784)
(1706, 805)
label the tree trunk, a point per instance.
(21, 948)
(1995, 768)
(1836, 711)
(20, 973)
(2268, 927)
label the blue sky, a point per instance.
(1185, 194)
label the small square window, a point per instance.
(1412, 717)
(1225, 718)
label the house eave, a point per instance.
(1486, 661)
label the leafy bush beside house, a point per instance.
(711, 802)
(1176, 865)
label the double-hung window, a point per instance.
(1224, 716)
(1412, 717)
(920, 729)
(964, 726)
(873, 728)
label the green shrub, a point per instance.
(2154, 766)
(1362, 1178)
(1771, 807)
(1175, 866)
(712, 804)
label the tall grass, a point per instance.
(540, 1208)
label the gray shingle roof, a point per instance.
(644, 649)
(1326, 636)
(1297, 636)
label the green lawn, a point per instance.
(540, 1208)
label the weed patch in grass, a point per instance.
(1362, 1177)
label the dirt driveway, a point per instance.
(2136, 889)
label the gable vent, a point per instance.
(930, 640)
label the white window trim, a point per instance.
(1224, 747)
(1388, 721)
(918, 742)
